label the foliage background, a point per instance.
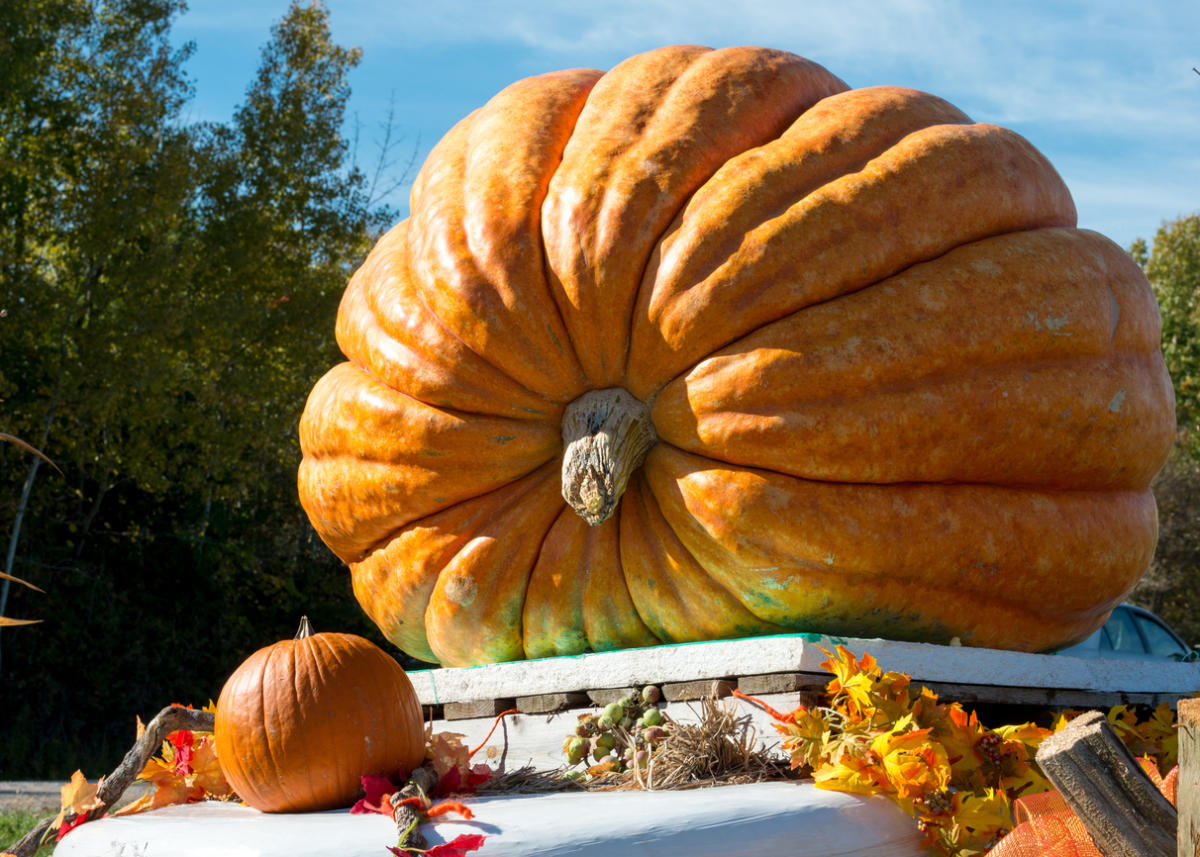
(167, 295)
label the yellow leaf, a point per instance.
(5, 622)
(852, 774)
(78, 796)
(986, 812)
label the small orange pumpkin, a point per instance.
(300, 722)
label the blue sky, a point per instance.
(1106, 92)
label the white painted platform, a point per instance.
(968, 675)
(784, 653)
(785, 819)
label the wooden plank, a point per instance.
(706, 689)
(477, 708)
(1188, 798)
(802, 653)
(757, 685)
(974, 694)
(544, 703)
(1122, 809)
(602, 696)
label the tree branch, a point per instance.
(112, 787)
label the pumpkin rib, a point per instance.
(937, 298)
(476, 233)
(417, 353)
(912, 534)
(696, 606)
(433, 458)
(654, 129)
(577, 599)
(474, 610)
(267, 742)
(394, 581)
(606, 613)
(885, 436)
(304, 790)
(809, 256)
(816, 150)
(536, 111)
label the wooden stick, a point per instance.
(1188, 798)
(421, 784)
(112, 787)
(1122, 809)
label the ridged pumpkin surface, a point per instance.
(895, 391)
(300, 723)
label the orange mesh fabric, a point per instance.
(1047, 827)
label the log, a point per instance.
(1188, 798)
(1122, 809)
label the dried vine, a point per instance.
(112, 787)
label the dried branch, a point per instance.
(420, 785)
(112, 787)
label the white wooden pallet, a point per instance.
(783, 671)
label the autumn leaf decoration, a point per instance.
(447, 771)
(957, 778)
(384, 797)
(186, 772)
(78, 802)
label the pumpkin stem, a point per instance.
(606, 435)
(306, 629)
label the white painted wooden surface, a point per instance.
(798, 653)
(784, 819)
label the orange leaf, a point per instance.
(446, 750)
(206, 771)
(78, 797)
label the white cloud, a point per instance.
(1107, 91)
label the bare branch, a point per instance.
(170, 719)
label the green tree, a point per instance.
(1173, 268)
(167, 299)
(93, 209)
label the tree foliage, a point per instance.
(167, 297)
(1173, 267)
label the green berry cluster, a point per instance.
(623, 734)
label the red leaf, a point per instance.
(457, 847)
(183, 740)
(449, 783)
(67, 826)
(377, 790)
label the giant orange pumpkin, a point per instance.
(710, 346)
(301, 721)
